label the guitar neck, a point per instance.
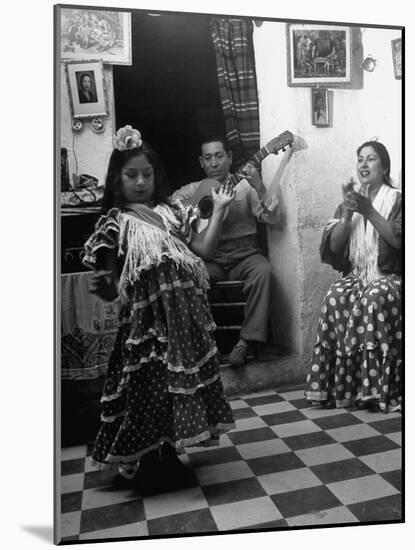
(235, 178)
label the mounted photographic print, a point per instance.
(320, 107)
(96, 34)
(86, 89)
(397, 57)
(318, 55)
(198, 399)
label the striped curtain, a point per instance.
(232, 41)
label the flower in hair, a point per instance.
(127, 138)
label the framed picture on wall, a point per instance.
(86, 89)
(95, 34)
(397, 57)
(318, 55)
(320, 107)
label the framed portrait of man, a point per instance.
(86, 89)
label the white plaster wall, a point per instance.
(310, 186)
(89, 149)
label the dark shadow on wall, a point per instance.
(170, 92)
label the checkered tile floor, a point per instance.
(286, 464)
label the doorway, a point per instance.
(171, 93)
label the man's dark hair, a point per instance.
(213, 138)
(83, 75)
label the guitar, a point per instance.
(202, 198)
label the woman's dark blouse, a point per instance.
(389, 258)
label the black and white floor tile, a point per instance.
(286, 464)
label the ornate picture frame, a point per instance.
(319, 55)
(89, 34)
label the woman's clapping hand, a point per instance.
(354, 201)
(358, 203)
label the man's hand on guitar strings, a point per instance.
(252, 176)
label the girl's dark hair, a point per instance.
(112, 192)
(384, 158)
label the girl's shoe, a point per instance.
(175, 473)
(123, 483)
(149, 477)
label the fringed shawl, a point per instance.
(364, 241)
(144, 245)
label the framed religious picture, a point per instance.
(397, 57)
(318, 55)
(87, 34)
(320, 107)
(86, 89)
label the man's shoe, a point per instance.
(238, 355)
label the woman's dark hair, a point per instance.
(112, 192)
(384, 158)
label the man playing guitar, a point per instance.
(238, 255)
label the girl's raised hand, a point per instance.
(223, 196)
(104, 285)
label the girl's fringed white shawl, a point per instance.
(364, 241)
(144, 246)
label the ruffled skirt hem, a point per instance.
(208, 438)
(365, 374)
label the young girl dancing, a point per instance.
(163, 390)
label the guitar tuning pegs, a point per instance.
(283, 149)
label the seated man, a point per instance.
(238, 255)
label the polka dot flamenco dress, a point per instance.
(163, 382)
(358, 353)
